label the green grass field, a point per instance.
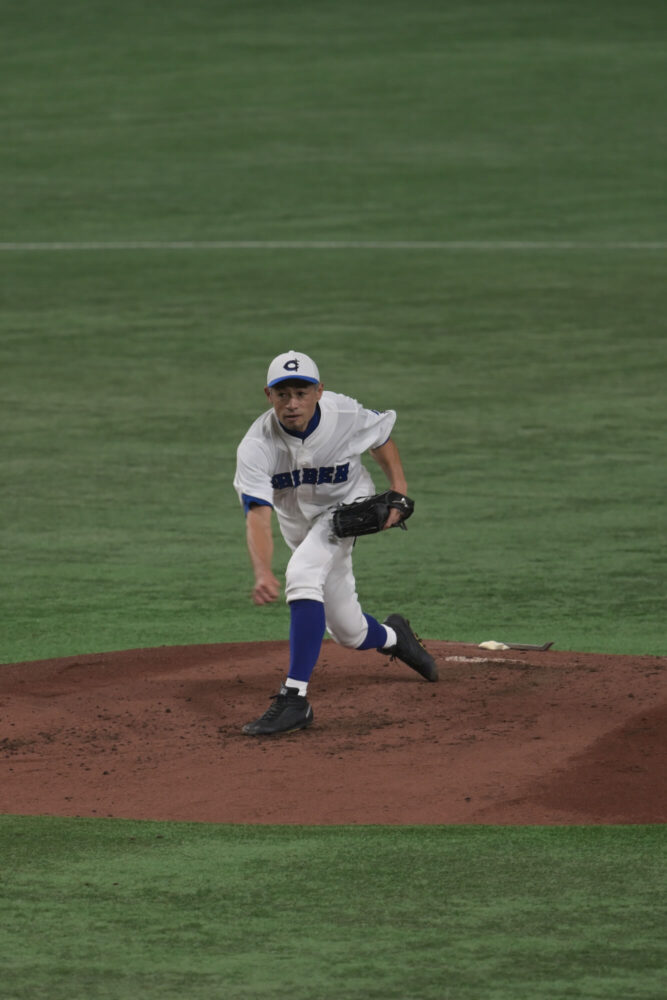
(529, 386)
(529, 419)
(115, 909)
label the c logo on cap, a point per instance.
(291, 366)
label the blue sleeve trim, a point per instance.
(248, 501)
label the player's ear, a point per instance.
(267, 392)
(320, 390)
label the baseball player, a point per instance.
(302, 458)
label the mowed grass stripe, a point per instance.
(448, 245)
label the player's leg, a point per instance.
(346, 623)
(350, 626)
(305, 580)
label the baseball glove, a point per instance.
(368, 515)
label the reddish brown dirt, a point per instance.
(504, 737)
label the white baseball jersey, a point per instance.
(303, 478)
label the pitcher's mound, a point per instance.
(504, 737)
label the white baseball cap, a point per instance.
(293, 364)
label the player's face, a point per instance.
(295, 403)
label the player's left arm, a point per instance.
(388, 458)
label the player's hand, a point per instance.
(394, 517)
(266, 589)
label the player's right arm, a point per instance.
(253, 485)
(259, 536)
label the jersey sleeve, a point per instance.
(374, 428)
(249, 502)
(252, 481)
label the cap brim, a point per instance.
(293, 378)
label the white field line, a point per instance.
(486, 659)
(444, 245)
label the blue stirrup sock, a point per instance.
(307, 627)
(376, 637)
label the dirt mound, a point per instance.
(504, 737)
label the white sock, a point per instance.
(301, 686)
(392, 638)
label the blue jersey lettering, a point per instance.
(282, 481)
(311, 477)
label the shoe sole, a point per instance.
(280, 732)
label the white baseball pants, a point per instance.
(321, 570)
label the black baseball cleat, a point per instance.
(410, 649)
(290, 711)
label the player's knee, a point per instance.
(348, 635)
(300, 586)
